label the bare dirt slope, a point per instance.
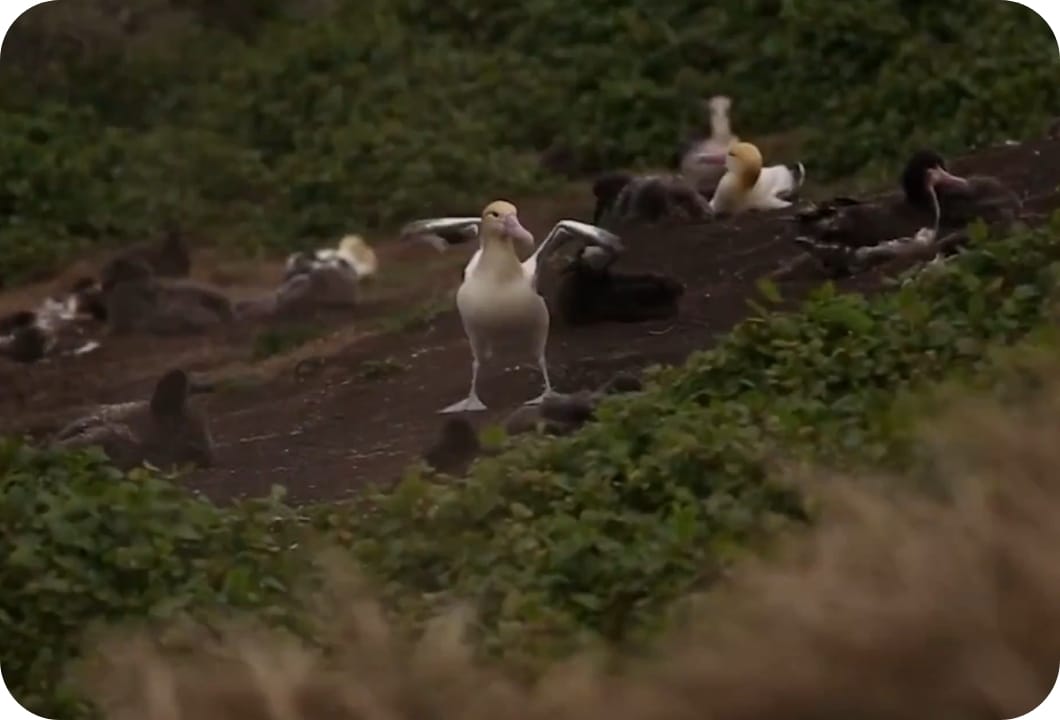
(358, 406)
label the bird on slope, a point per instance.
(499, 297)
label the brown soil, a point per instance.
(359, 404)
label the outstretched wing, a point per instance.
(564, 231)
(440, 233)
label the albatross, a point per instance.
(933, 209)
(747, 185)
(498, 296)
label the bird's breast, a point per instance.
(498, 306)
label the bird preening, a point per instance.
(927, 217)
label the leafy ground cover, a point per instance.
(263, 127)
(556, 542)
(603, 530)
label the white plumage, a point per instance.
(352, 253)
(749, 186)
(498, 295)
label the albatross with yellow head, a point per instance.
(498, 296)
(747, 185)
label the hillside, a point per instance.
(849, 482)
(557, 544)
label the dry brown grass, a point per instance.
(895, 606)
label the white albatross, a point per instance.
(498, 295)
(747, 185)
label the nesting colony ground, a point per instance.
(357, 405)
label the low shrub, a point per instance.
(601, 531)
(83, 543)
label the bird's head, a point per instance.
(500, 220)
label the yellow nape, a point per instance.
(749, 157)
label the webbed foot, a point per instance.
(540, 398)
(468, 404)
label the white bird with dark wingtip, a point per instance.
(352, 254)
(498, 296)
(747, 185)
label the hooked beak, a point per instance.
(939, 176)
(515, 230)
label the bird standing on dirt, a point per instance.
(498, 297)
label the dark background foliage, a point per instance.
(263, 124)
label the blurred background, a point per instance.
(267, 124)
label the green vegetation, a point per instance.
(260, 129)
(601, 531)
(557, 541)
(82, 543)
(264, 124)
